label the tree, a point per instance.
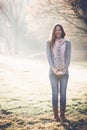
(80, 8)
(65, 9)
(13, 13)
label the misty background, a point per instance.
(25, 91)
(25, 26)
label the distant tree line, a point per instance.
(13, 15)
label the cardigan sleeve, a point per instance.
(49, 54)
(68, 54)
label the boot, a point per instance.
(56, 117)
(62, 114)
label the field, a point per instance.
(25, 95)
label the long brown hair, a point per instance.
(53, 36)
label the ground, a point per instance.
(25, 95)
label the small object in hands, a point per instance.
(60, 71)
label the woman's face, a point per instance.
(58, 32)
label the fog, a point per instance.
(25, 91)
(25, 31)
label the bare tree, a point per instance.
(13, 13)
(65, 9)
(80, 8)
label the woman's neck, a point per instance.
(58, 38)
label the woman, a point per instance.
(58, 51)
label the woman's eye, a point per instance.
(58, 30)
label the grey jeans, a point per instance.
(59, 85)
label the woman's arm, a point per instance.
(68, 54)
(49, 55)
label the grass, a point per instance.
(76, 114)
(26, 99)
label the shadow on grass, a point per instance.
(46, 120)
(6, 112)
(4, 126)
(77, 108)
(75, 125)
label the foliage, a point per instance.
(80, 8)
(70, 10)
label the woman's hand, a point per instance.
(59, 72)
(64, 70)
(54, 70)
